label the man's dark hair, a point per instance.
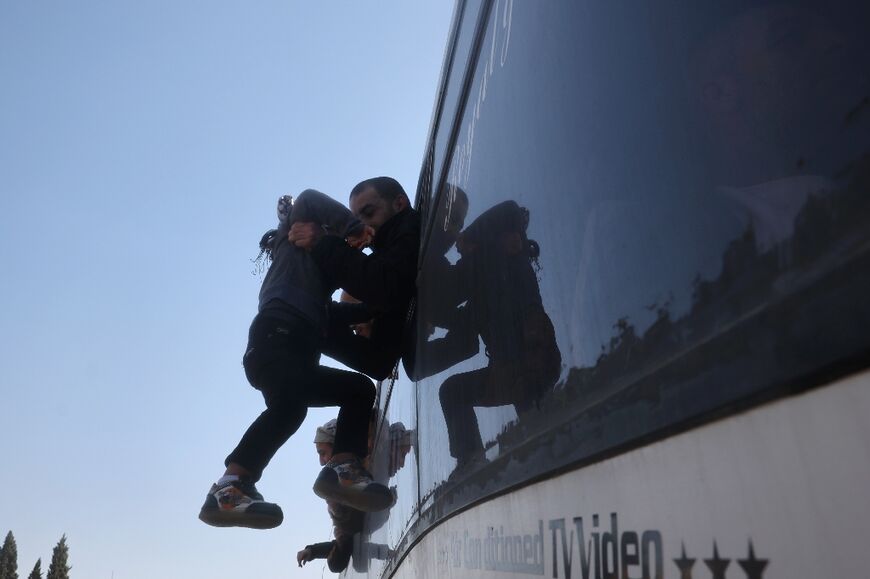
(387, 188)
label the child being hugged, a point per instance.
(282, 362)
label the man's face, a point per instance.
(373, 210)
(324, 452)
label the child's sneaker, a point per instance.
(238, 504)
(350, 484)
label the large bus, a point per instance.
(642, 332)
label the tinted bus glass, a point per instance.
(465, 35)
(653, 213)
(393, 462)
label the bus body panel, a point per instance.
(787, 480)
(641, 294)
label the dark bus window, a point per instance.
(653, 213)
(394, 461)
(453, 90)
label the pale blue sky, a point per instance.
(142, 148)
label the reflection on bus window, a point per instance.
(496, 283)
(698, 192)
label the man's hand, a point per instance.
(362, 239)
(305, 234)
(304, 556)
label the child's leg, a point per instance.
(459, 394)
(283, 416)
(280, 361)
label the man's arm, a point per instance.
(433, 356)
(343, 314)
(372, 356)
(386, 278)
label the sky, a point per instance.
(143, 146)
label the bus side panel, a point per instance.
(779, 492)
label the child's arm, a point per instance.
(319, 208)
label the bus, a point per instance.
(642, 331)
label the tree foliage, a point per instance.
(9, 558)
(37, 570)
(59, 569)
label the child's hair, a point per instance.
(285, 205)
(505, 217)
(265, 256)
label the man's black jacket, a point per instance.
(384, 281)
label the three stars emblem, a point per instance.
(752, 565)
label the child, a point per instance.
(282, 362)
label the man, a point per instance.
(383, 281)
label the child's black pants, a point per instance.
(282, 362)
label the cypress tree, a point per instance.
(37, 571)
(9, 558)
(58, 569)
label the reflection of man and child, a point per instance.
(491, 295)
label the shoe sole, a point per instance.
(218, 518)
(368, 501)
